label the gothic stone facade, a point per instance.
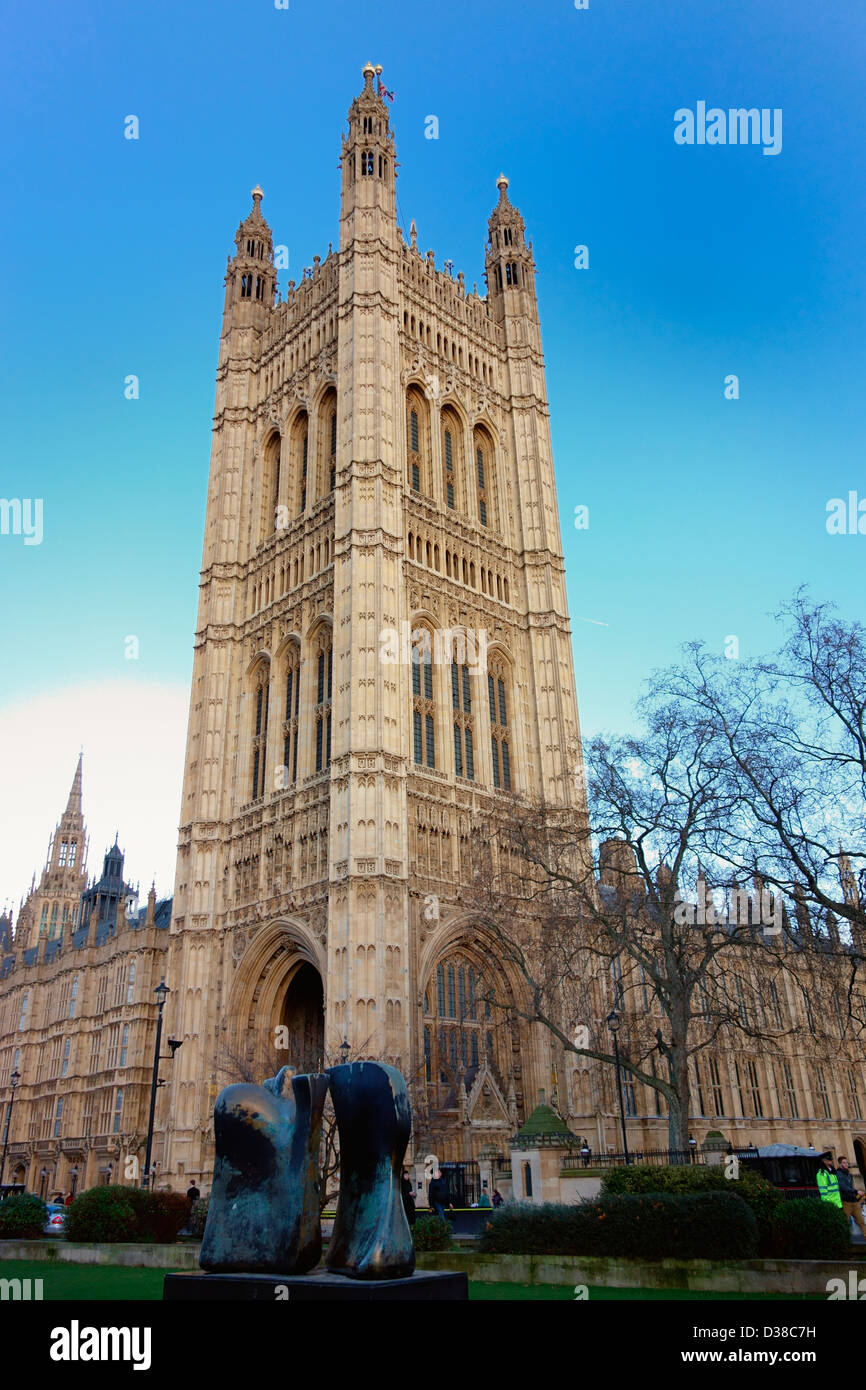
(381, 464)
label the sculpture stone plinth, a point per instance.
(424, 1286)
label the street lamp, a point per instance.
(613, 1021)
(161, 993)
(344, 1050)
(13, 1082)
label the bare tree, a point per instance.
(587, 932)
(791, 734)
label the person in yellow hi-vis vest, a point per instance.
(828, 1183)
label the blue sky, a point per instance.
(704, 261)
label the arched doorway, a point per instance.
(860, 1158)
(303, 1015)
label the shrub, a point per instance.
(126, 1213)
(22, 1216)
(158, 1215)
(102, 1214)
(198, 1217)
(764, 1199)
(708, 1225)
(431, 1233)
(809, 1229)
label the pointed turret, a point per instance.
(250, 274)
(368, 163)
(508, 265)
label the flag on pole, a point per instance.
(383, 90)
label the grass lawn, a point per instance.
(112, 1283)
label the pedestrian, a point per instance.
(69, 1200)
(498, 1199)
(408, 1197)
(192, 1193)
(852, 1200)
(827, 1182)
(585, 1152)
(484, 1199)
(693, 1148)
(437, 1195)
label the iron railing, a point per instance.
(659, 1158)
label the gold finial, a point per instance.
(257, 194)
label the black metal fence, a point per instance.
(659, 1158)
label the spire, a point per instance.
(73, 805)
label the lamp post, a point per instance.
(161, 991)
(13, 1082)
(344, 1050)
(613, 1022)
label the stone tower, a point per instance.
(51, 908)
(382, 653)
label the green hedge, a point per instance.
(761, 1196)
(22, 1216)
(702, 1225)
(115, 1213)
(198, 1217)
(807, 1229)
(431, 1233)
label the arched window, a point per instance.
(300, 443)
(290, 715)
(118, 1112)
(461, 712)
(423, 709)
(511, 273)
(260, 730)
(485, 485)
(367, 164)
(73, 997)
(463, 1031)
(324, 686)
(452, 460)
(500, 740)
(418, 442)
(327, 445)
(271, 485)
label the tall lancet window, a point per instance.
(324, 687)
(500, 737)
(300, 442)
(452, 460)
(326, 472)
(423, 709)
(485, 481)
(461, 715)
(418, 442)
(260, 731)
(291, 714)
(271, 485)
